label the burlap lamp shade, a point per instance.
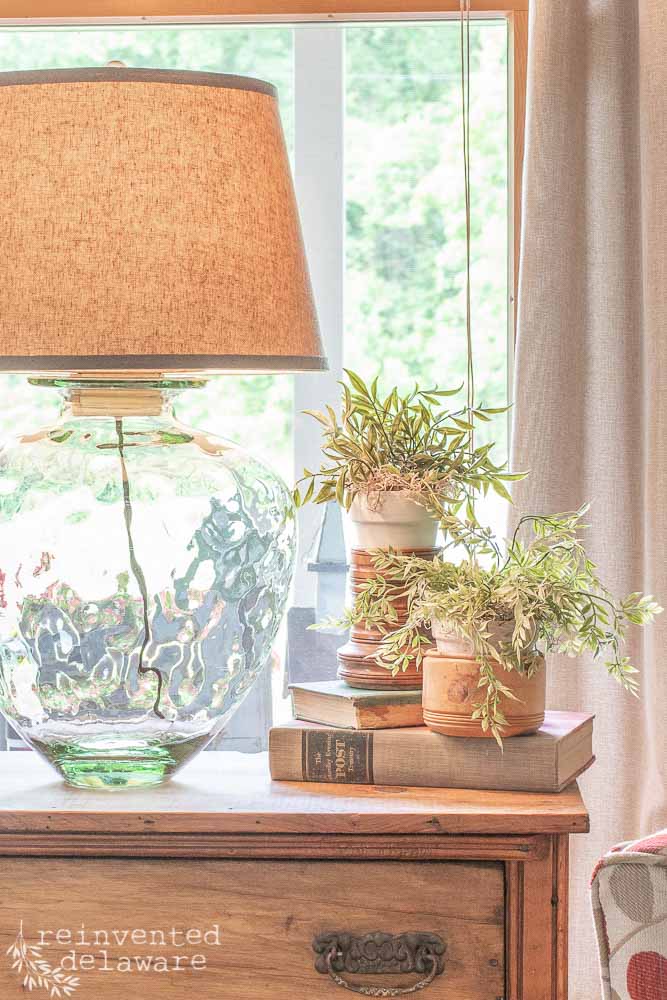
(149, 225)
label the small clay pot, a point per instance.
(451, 692)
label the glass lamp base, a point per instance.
(112, 761)
(144, 572)
(108, 773)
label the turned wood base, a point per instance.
(359, 672)
(356, 665)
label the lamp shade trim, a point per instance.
(199, 363)
(123, 74)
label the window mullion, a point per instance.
(318, 173)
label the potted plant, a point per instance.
(493, 620)
(401, 466)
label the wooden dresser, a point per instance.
(225, 884)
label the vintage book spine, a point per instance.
(336, 705)
(364, 717)
(380, 717)
(418, 757)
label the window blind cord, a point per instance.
(465, 117)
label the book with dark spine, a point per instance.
(546, 761)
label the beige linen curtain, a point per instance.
(590, 419)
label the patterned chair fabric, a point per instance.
(629, 891)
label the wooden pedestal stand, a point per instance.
(355, 664)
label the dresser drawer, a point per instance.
(130, 929)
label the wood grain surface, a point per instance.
(278, 862)
(267, 914)
(250, 9)
(408, 847)
(224, 793)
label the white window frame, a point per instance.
(319, 182)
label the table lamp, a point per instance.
(149, 239)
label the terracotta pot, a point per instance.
(395, 521)
(450, 693)
(355, 664)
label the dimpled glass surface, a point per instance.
(144, 572)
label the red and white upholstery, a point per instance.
(629, 892)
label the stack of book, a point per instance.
(352, 736)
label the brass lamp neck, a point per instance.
(122, 397)
(99, 401)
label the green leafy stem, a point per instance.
(545, 591)
(411, 444)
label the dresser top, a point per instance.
(232, 793)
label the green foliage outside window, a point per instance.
(405, 255)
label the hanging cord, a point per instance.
(465, 108)
(137, 570)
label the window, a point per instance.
(372, 115)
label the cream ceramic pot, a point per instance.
(395, 521)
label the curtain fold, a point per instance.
(590, 419)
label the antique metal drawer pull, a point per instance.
(380, 953)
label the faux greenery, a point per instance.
(406, 443)
(546, 590)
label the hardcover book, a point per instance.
(334, 703)
(546, 761)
